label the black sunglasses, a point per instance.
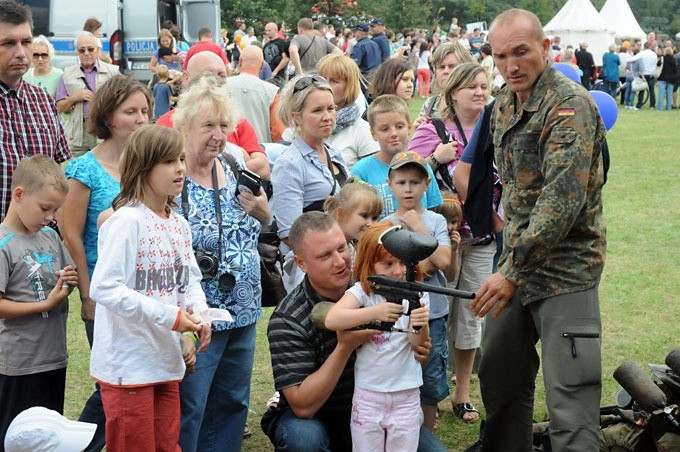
(306, 81)
(41, 55)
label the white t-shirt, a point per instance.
(422, 60)
(145, 273)
(386, 363)
(354, 142)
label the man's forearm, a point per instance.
(308, 397)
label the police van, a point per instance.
(129, 29)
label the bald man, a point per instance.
(256, 100)
(275, 52)
(243, 135)
(549, 142)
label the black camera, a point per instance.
(209, 264)
(248, 181)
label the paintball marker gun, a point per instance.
(409, 247)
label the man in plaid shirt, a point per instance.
(29, 123)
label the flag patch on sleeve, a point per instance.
(565, 112)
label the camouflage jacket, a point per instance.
(549, 156)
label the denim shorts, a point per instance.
(435, 381)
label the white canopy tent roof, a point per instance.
(619, 17)
(578, 21)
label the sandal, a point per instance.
(247, 433)
(461, 409)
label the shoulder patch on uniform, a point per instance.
(565, 112)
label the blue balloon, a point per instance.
(569, 71)
(607, 106)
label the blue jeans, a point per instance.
(311, 435)
(215, 398)
(665, 94)
(93, 411)
(630, 94)
(610, 88)
(435, 386)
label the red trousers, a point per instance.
(144, 418)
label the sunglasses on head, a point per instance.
(41, 55)
(307, 81)
(86, 49)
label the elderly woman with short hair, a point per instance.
(225, 227)
(42, 74)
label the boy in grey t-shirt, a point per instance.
(36, 277)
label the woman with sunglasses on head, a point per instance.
(76, 89)
(225, 220)
(42, 74)
(309, 170)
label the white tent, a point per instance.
(619, 17)
(577, 21)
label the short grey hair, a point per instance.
(43, 41)
(87, 34)
(207, 93)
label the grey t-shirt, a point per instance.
(436, 224)
(318, 48)
(33, 343)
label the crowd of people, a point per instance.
(151, 200)
(655, 63)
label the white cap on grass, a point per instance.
(39, 429)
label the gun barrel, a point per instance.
(673, 360)
(640, 386)
(417, 286)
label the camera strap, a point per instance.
(218, 206)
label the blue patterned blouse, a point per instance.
(239, 250)
(103, 188)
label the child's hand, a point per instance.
(68, 275)
(411, 220)
(187, 323)
(188, 353)
(68, 279)
(420, 317)
(387, 312)
(455, 239)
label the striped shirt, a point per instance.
(298, 349)
(29, 125)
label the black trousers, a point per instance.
(18, 393)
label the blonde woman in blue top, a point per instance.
(309, 170)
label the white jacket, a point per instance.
(145, 273)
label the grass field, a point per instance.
(638, 293)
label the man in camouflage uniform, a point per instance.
(548, 140)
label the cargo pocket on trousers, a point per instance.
(581, 361)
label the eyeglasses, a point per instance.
(306, 81)
(44, 56)
(82, 50)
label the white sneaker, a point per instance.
(633, 107)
